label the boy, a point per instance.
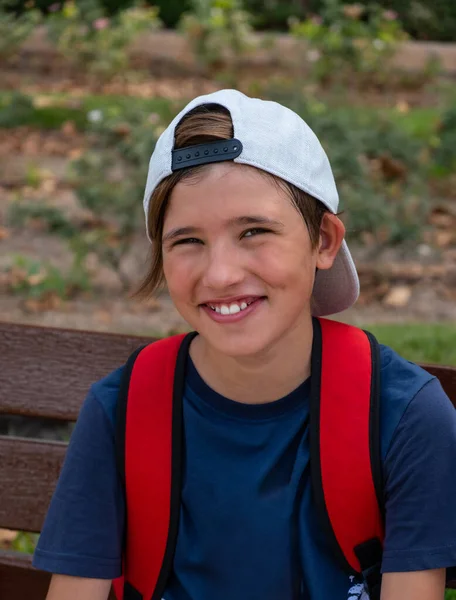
(251, 250)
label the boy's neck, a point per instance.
(257, 380)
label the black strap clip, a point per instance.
(202, 154)
(370, 555)
(131, 593)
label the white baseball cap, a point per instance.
(273, 138)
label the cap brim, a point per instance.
(337, 288)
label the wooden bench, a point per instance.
(45, 373)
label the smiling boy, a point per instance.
(252, 250)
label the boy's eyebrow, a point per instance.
(244, 220)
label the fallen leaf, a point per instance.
(4, 233)
(36, 278)
(68, 128)
(443, 220)
(398, 296)
(403, 107)
(103, 316)
(43, 101)
(6, 537)
(75, 153)
(444, 238)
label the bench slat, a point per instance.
(28, 473)
(20, 581)
(47, 372)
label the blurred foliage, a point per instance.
(109, 184)
(275, 14)
(25, 542)
(41, 281)
(384, 159)
(21, 213)
(445, 145)
(217, 30)
(15, 30)
(376, 165)
(427, 19)
(17, 109)
(422, 19)
(349, 39)
(90, 39)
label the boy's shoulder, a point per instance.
(400, 376)
(105, 392)
(402, 383)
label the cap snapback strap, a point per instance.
(202, 154)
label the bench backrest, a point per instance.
(46, 373)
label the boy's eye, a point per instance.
(187, 241)
(255, 231)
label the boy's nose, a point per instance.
(223, 269)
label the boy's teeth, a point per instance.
(232, 309)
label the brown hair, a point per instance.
(208, 123)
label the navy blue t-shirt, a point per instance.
(248, 525)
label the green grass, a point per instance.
(450, 595)
(420, 342)
(65, 108)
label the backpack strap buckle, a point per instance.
(369, 554)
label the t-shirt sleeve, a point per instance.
(420, 486)
(83, 530)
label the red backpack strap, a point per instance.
(149, 454)
(345, 445)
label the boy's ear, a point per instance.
(332, 232)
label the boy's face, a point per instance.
(241, 242)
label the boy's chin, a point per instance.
(239, 346)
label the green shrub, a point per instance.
(171, 11)
(39, 280)
(347, 39)
(379, 168)
(275, 14)
(426, 19)
(25, 542)
(218, 30)
(109, 184)
(91, 40)
(15, 109)
(445, 144)
(422, 19)
(14, 30)
(52, 218)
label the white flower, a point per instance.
(95, 116)
(313, 55)
(379, 44)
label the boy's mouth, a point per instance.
(231, 308)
